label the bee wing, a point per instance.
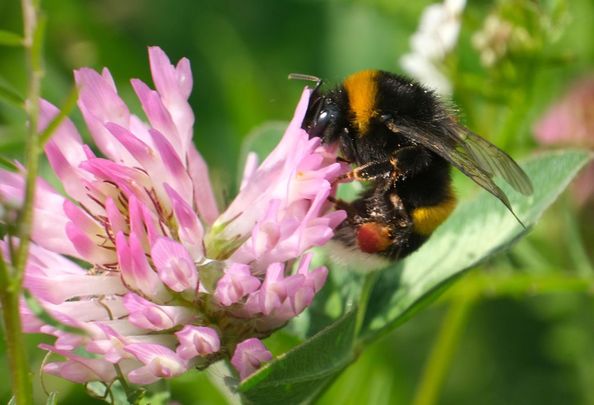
(474, 156)
(493, 160)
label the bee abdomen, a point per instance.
(427, 219)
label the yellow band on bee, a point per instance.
(426, 219)
(361, 89)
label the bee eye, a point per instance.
(323, 118)
(320, 124)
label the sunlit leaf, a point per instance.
(476, 230)
(299, 375)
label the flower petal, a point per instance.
(249, 356)
(197, 341)
(159, 362)
(174, 265)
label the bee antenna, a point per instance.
(309, 78)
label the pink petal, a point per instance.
(147, 315)
(83, 222)
(50, 264)
(49, 226)
(157, 114)
(197, 341)
(99, 104)
(251, 164)
(79, 369)
(190, 230)
(159, 362)
(135, 270)
(204, 198)
(65, 137)
(117, 222)
(174, 265)
(176, 172)
(71, 286)
(70, 176)
(90, 310)
(236, 283)
(137, 224)
(88, 248)
(249, 356)
(174, 84)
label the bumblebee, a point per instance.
(402, 141)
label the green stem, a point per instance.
(22, 388)
(218, 374)
(442, 352)
(34, 75)
(368, 284)
(11, 275)
(15, 349)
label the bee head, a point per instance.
(323, 117)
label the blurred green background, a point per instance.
(511, 348)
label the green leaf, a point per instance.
(476, 230)
(299, 375)
(10, 95)
(8, 38)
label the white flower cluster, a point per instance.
(436, 36)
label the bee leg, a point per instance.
(396, 202)
(405, 161)
(370, 171)
(350, 209)
(339, 204)
(410, 160)
(404, 240)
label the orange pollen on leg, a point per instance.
(373, 237)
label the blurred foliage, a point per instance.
(514, 347)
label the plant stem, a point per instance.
(368, 284)
(17, 356)
(218, 374)
(32, 47)
(443, 350)
(22, 388)
(12, 271)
